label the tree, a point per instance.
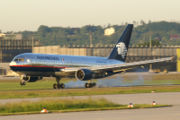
(142, 22)
(159, 31)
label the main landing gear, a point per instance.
(90, 85)
(58, 85)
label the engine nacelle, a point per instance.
(30, 78)
(84, 74)
(34, 79)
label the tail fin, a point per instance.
(119, 51)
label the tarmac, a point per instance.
(166, 113)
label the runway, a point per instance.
(141, 114)
(169, 113)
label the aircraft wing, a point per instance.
(130, 65)
(119, 67)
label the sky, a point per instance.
(20, 15)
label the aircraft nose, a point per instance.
(12, 63)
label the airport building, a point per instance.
(10, 48)
(12, 45)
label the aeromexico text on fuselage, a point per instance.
(52, 63)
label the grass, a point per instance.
(86, 92)
(65, 105)
(43, 88)
(14, 85)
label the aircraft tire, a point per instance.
(93, 84)
(58, 86)
(87, 85)
(62, 86)
(55, 86)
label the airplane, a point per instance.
(32, 67)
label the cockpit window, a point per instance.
(16, 60)
(19, 60)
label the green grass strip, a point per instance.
(65, 105)
(86, 92)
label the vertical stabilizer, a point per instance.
(119, 51)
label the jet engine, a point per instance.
(86, 74)
(83, 74)
(34, 79)
(30, 78)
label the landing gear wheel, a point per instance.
(62, 86)
(22, 83)
(90, 85)
(93, 84)
(55, 86)
(58, 86)
(87, 85)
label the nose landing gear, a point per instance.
(22, 82)
(24, 78)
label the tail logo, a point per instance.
(121, 49)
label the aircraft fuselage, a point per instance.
(47, 64)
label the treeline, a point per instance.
(154, 33)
